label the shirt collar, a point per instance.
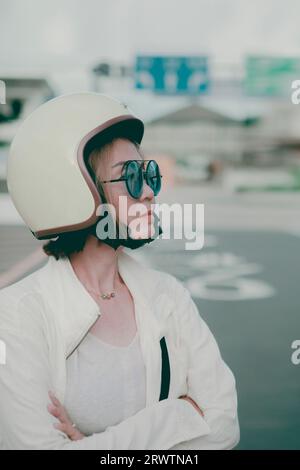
(76, 308)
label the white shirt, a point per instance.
(105, 383)
(44, 316)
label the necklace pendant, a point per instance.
(108, 296)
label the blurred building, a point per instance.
(197, 134)
(233, 131)
(110, 77)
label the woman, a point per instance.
(119, 349)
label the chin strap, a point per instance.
(127, 242)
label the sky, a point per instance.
(67, 34)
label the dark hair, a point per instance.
(67, 243)
(71, 242)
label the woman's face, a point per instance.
(129, 211)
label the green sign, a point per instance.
(271, 76)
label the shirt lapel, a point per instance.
(141, 287)
(77, 311)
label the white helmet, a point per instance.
(47, 176)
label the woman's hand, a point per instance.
(65, 424)
(190, 400)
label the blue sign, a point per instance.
(271, 76)
(172, 74)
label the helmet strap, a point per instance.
(127, 241)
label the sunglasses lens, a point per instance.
(153, 177)
(134, 181)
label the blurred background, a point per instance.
(212, 80)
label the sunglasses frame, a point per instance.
(124, 178)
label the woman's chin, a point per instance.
(144, 232)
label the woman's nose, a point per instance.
(147, 192)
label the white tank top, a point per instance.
(105, 383)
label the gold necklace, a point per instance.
(107, 296)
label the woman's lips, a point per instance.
(148, 214)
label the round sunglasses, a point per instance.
(134, 174)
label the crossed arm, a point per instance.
(174, 423)
(65, 423)
(211, 385)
